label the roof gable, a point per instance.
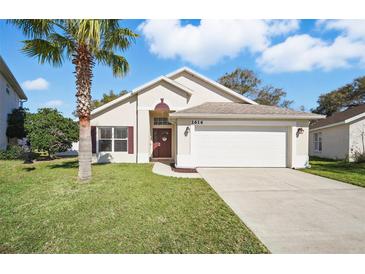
(342, 117)
(213, 83)
(141, 89)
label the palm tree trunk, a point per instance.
(83, 62)
(85, 155)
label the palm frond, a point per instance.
(119, 39)
(118, 63)
(52, 40)
(33, 28)
(44, 50)
(89, 32)
(64, 42)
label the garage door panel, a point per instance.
(240, 147)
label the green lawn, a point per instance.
(125, 209)
(352, 173)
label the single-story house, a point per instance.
(196, 122)
(340, 135)
(11, 97)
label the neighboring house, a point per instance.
(11, 96)
(196, 122)
(340, 135)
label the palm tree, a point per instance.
(84, 42)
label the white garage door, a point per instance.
(239, 146)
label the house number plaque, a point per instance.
(196, 122)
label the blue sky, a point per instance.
(306, 58)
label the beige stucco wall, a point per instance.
(335, 142)
(299, 156)
(122, 115)
(144, 136)
(183, 153)
(203, 92)
(8, 102)
(175, 98)
(357, 137)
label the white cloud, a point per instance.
(353, 29)
(53, 104)
(210, 41)
(305, 52)
(36, 84)
(279, 27)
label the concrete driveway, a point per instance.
(294, 212)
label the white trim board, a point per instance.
(244, 116)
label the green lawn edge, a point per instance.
(124, 209)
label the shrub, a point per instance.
(359, 157)
(15, 127)
(47, 130)
(12, 153)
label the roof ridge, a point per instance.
(212, 82)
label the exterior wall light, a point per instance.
(300, 131)
(187, 130)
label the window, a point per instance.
(105, 139)
(7, 89)
(113, 139)
(120, 139)
(161, 121)
(318, 142)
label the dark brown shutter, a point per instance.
(130, 140)
(93, 139)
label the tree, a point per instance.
(84, 42)
(15, 127)
(346, 96)
(243, 81)
(247, 83)
(106, 98)
(268, 95)
(47, 130)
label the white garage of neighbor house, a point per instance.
(340, 135)
(196, 122)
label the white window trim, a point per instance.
(99, 139)
(317, 141)
(112, 139)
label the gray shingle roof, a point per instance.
(224, 108)
(338, 117)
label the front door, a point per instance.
(162, 143)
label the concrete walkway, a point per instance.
(292, 211)
(164, 169)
